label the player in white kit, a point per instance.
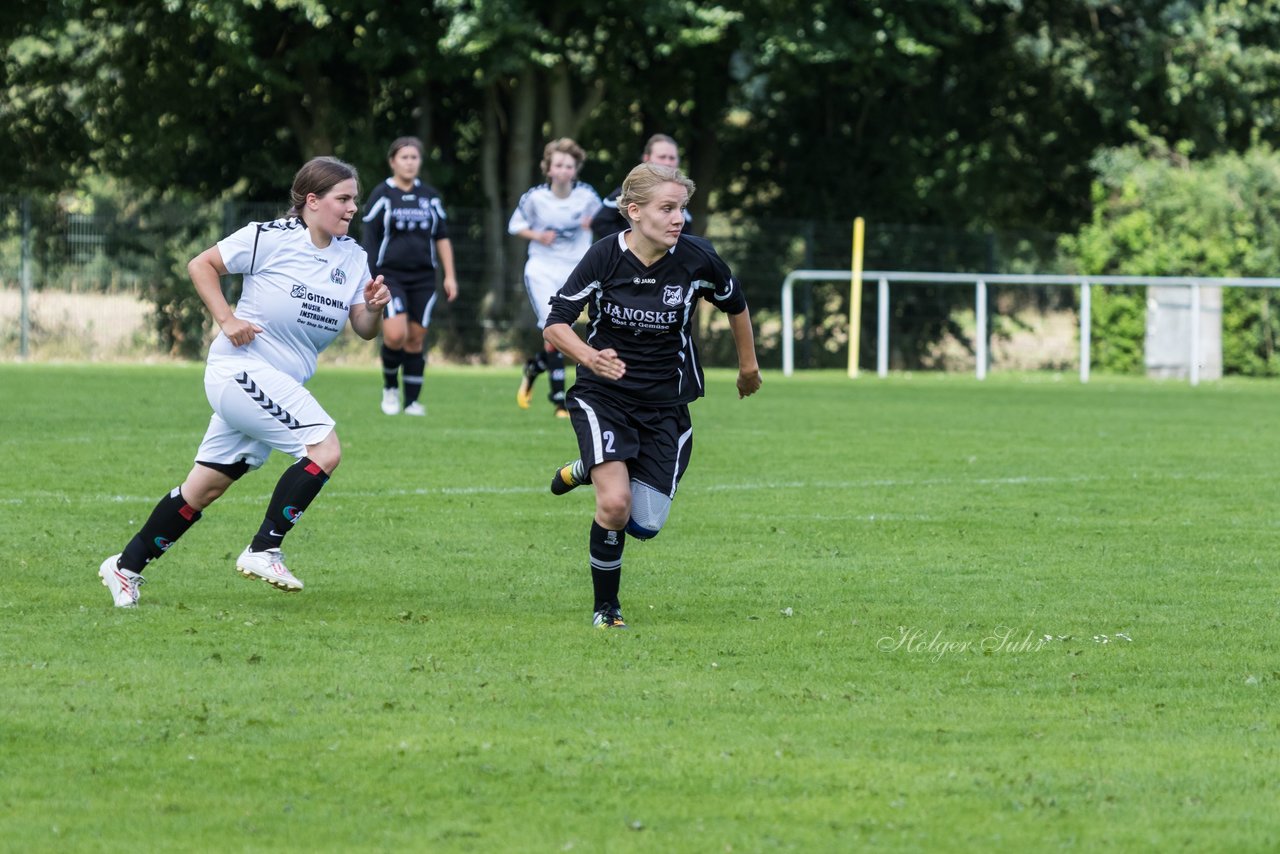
(304, 278)
(555, 218)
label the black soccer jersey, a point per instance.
(608, 221)
(401, 228)
(646, 315)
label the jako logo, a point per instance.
(298, 292)
(337, 276)
(639, 281)
(293, 514)
(163, 544)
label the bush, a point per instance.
(1159, 213)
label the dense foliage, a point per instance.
(970, 114)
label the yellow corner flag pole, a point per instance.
(855, 298)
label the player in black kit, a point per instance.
(638, 369)
(406, 237)
(660, 149)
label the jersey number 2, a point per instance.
(607, 435)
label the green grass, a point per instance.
(437, 686)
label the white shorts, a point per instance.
(542, 281)
(255, 410)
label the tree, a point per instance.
(44, 143)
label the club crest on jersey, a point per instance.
(337, 276)
(672, 294)
(301, 292)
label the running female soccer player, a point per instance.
(407, 239)
(303, 279)
(555, 218)
(638, 369)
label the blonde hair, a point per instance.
(641, 182)
(563, 145)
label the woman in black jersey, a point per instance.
(406, 237)
(638, 369)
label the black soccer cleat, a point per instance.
(524, 395)
(609, 617)
(568, 477)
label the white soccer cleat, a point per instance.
(268, 566)
(391, 401)
(415, 408)
(122, 583)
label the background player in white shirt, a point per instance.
(555, 218)
(304, 278)
(407, 237)
(638, 369)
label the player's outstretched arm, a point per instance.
(366, 317)
(602, 363)
(744, 340)
(444, 250)
(205, 270)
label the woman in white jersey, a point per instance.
(555, 218)
(304, 278)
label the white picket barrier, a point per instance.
(979, 282)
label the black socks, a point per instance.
(415, 365)
(294, 492)
(606, 563)
(391, 362)
(555, 365)
(170, 519)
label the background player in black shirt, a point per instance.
(638, 369)
(660, 149)
(406, 237)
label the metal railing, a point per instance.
(980, 281)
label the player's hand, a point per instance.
(748, 383)
(606, 364)
(450, 288)
(240, 332)
(546, 238)
(376, 295)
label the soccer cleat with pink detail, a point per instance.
(269, 567)
(122, 583)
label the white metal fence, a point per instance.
(979, 282)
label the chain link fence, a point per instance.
(105, 279)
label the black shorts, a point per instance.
(654, 441)
(412, 294)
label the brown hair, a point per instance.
(657, 138)
(404, 142)
(318, 175)
(563, 145)
(641, 181)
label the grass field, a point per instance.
(916, 614)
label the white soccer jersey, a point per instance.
(301, 296)
(540, 209)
